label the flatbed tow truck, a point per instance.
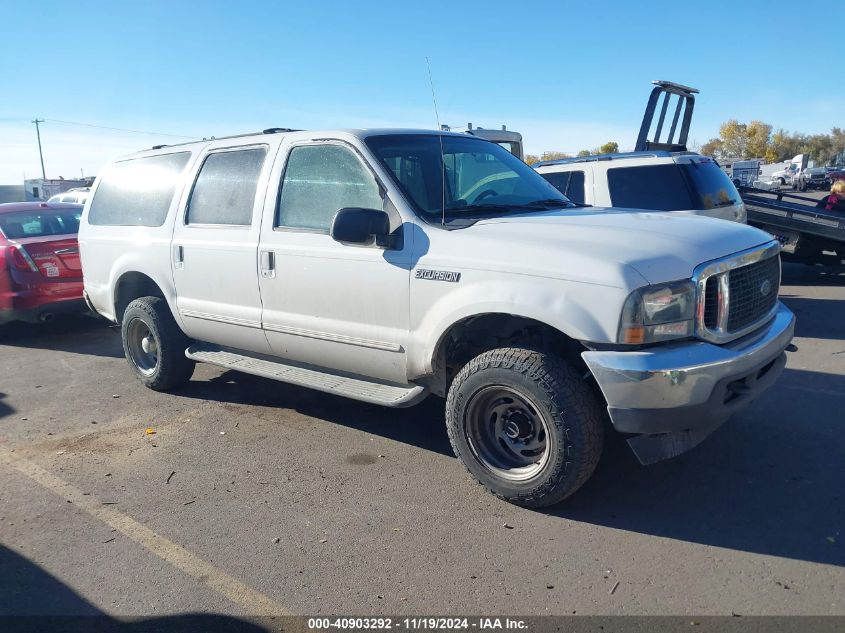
(807, 233)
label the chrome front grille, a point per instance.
(748, 303)
(738, 293)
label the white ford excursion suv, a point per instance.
(386, 265)
(677, 182)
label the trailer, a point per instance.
(743, 173)
(807, 234)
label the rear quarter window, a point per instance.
(137, 192)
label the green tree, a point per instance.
(611, 147)
(820, 148)
(532, 158)
(583, 152)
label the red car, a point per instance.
(40, 273)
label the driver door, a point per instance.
(335, 306)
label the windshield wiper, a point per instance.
(726, 203)
(546, 204)
(510, 208)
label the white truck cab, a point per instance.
(677, 182)
(387, 265)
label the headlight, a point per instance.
(658, 313)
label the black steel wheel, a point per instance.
(525, 425)
(154, 345)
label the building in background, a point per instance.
(43, 188)
(12, 193)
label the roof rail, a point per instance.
(598, 157)
(269, 130)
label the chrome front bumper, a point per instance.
(675, 395)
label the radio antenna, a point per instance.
(442, 156)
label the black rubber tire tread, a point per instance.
(572, 409)
(174, 368)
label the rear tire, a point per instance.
(154, 345)
(525, 425)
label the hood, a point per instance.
(612, 247)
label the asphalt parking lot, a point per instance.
(251, 496)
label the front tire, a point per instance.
(154, 345)
(525, 425)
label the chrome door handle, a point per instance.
(268, 264)
(178, 256)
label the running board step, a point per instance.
(356, 388)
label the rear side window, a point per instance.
(224, 192)
(320, 180)
(656, 187)
(569, 183)
(137, 192)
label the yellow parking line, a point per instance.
(253, 602)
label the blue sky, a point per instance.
(568, 75)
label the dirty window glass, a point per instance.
(225, 189)
(137, 192)
(569, 183)
(711, 186)
(320, 180)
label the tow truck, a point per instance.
(807, 234)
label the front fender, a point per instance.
(585, 312)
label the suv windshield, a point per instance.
(693, 186)
(21, 224)
(480, 177)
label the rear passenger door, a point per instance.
(337, 306)
(215, 247)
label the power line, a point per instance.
(118, 129)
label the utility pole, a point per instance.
(40, 153)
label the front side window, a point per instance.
(464, 176)
(569, 183)
(224, 192)
(320, 180)
(137, 192)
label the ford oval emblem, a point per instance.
(766, 288)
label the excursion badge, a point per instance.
(437, 275)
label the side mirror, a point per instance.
(354, 225)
